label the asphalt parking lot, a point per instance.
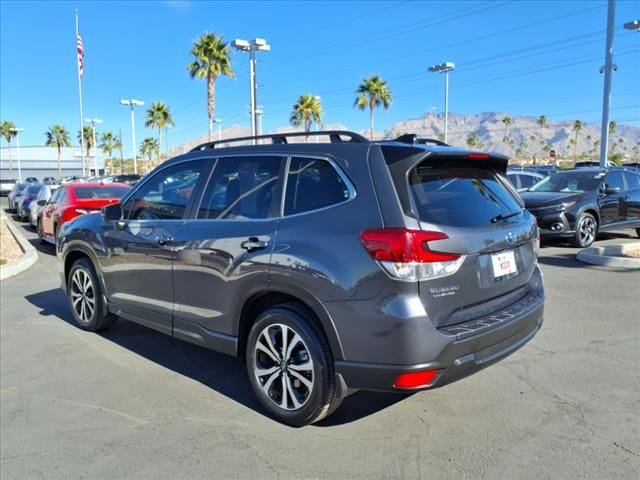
(132, 403)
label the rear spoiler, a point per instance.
(409, 157)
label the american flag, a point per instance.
(80, 49)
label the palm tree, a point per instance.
(58, 137)
(8, 130)
(117, 145)
(107, 145)
(577, 126)
(87, 135)
(473, 140)
(373, 92)
(507, 122)
(159, 116)
(542, 121)
(211, 59)
(306, 110)
(148, 146)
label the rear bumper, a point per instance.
(466, 352)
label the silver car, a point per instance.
(40, 201)
(16, 195)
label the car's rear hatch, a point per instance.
(465, 196)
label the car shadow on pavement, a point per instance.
(222, 373)
(46, 248)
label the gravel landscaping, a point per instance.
(9, 248)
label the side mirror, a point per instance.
(112, 213)
(42, 203)
(610, 190)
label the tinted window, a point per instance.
(573, 181)
(313, 184)
(462, 197)
(633, 180)
(243, 188)
(57, 196)
(513, 178)
(166, 194)
(527, 180)
(100, 191)
(614, 180)
(33, 190)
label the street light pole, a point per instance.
(17, 132)
(253, 46)
(445, 68)
(608, 69)
(94, 122)
(219, 122)
(133, 103)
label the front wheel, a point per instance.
(290, 367)
(586, 230)
(85, 297)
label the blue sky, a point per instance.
(518, 57)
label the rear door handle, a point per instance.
(254, 243)
(164, 239)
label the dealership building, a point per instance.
(40, 162)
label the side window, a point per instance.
(513, 178)
(57, 196)
(313, 184)
(527, 180)
(633, 180)
(166, 195)
(243, 188)
(613, 180)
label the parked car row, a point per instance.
(48, 207)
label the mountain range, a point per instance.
(522, 138)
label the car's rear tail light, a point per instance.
(411, 380)
(478, 156)
(405, 254)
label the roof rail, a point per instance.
(335, 136)
(412, 139)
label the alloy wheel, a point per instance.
(83, 296)
(283, 366)
(587, 230)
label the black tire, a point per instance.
(84, 294)
(309, 352)
(586, 230)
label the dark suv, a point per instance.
(329, 267)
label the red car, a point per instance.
(74, 199)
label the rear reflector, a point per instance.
(415, 379)
(405, 254)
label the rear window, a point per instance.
(34, 190)
(83, 193)
(459, 197)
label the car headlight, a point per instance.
(563, 206)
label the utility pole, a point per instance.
(608, 69)
(133, 103)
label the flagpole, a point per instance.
(80, 96)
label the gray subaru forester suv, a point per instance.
(328, 262)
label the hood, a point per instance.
(543, 199)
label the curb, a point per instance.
(30, 256)
(609, 256)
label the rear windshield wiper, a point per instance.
(504, 216)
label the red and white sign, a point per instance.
(504, 263)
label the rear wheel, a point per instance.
(85, 297)
(290, 367)
(586, 230)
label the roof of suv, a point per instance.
(338, 140)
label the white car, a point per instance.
(36, 205)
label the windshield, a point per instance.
(461, 197)
(103, 191)
(570, 182)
